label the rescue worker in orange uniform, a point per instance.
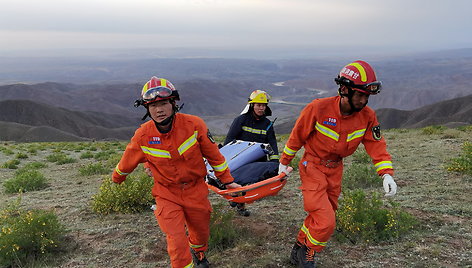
(330, 129)
(173, 146)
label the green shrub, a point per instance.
(223, 231)
(21, 156)
(361, 156)
(94, 169)
(359, 175)
(27, 235)
(7, 151)
(60, 158)
(431, 130)
(35, 165)
(465, 128)
(113, 160)
(104, 155)
(25, 180)
(463, 163)
(11, 164)
(363, 219)
(86, 155)
(133, 195)
(32, 151)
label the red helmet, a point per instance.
(158, 89)
(360, 76)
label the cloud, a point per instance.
(234, 23)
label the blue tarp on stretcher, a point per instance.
(259, 179)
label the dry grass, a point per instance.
(442, 202)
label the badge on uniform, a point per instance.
(210, 137)
(155, 140)
(330, 121)
(376, 133)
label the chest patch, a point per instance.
(376, 133)
(330, 121)
(155, 140)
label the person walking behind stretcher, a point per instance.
(252, 125)
(331, 129)
(173, 146)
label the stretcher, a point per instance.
(237, 154)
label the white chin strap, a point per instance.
(246, 109)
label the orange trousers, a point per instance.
(321, 187)
(180, 210)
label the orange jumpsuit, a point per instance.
(178, 168)
(328, 136)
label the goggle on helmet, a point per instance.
(157, 89)
(359, 76)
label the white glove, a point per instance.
(389, 184)
(283, 168)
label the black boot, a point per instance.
(293, 254)
(242, 210)
(306, 257)
(199, 259)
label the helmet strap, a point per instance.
(168, 121)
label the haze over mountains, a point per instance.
(93, 98)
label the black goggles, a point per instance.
(157, 92)
(370, 88)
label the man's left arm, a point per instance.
(376, 147)
(211, 152)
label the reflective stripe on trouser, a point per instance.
(174, 216)
(321, 187)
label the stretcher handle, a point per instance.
(243, 188)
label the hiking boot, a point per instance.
(242, 210)
(306, 257)
(233, 204)
(199, 259)
(293, 254)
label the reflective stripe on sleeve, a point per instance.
(220, 167)
(274, 156)
(289, 151)
(188, 143)
(120, 172)
(190, 265)
(356, 134)
(327, 132)
(155, 152)
(383, 165)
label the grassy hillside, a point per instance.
(441, 201)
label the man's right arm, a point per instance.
(300, 133)
(132, 156)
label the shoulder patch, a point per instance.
(210, 137)
(376, 133)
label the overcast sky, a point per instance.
(235, 24)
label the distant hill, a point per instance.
(215, 86)
(201, 97)
(76, 124)
(23, 133)
(27, 121)
(450, 113)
